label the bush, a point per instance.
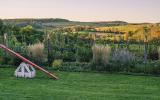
(123, 60)
(1, 60)
(7, 60)
(101, 56)
(84, 54)
(153, 54)
(36, 52)
(68, 56)
(75, 66)
(57, 63)
(149, 68)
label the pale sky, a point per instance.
(83, 10)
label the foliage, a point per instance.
(57, 63)
(1, 60)
(123, 60)
(84, 54)
(6, 60)
(149, 68)
(75, 66)
(101, 54)
(29, 35)
(137, 32)
(73, 42)
(153, 54)
(1, 26)
(4, 28)
(68, 56)
(69, 47)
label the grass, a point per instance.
(78, 86)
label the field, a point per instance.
(79, 86)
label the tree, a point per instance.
(30, 35)
(1, 27)
(27, 29)
(25, 33)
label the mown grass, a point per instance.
(78, 86)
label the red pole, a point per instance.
(27, 61)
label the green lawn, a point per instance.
(79, 86)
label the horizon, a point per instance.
(131, 11)
(80, 21)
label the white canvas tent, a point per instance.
(25, 70)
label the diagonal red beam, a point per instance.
(28, 61)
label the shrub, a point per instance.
(101, 56)
(84, 54)
(57, 63)
(36, 52)
(1, 60)
(149, 68)
(68, 56)
(122, 60)
(6, 60)
(75, 66)
(153, 55)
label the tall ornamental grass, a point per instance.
(101, 54)
(36, 52)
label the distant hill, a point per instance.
(42, 20)
(110, 23)
(58, 22)
(38, 23)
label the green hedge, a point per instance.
(75, 66)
